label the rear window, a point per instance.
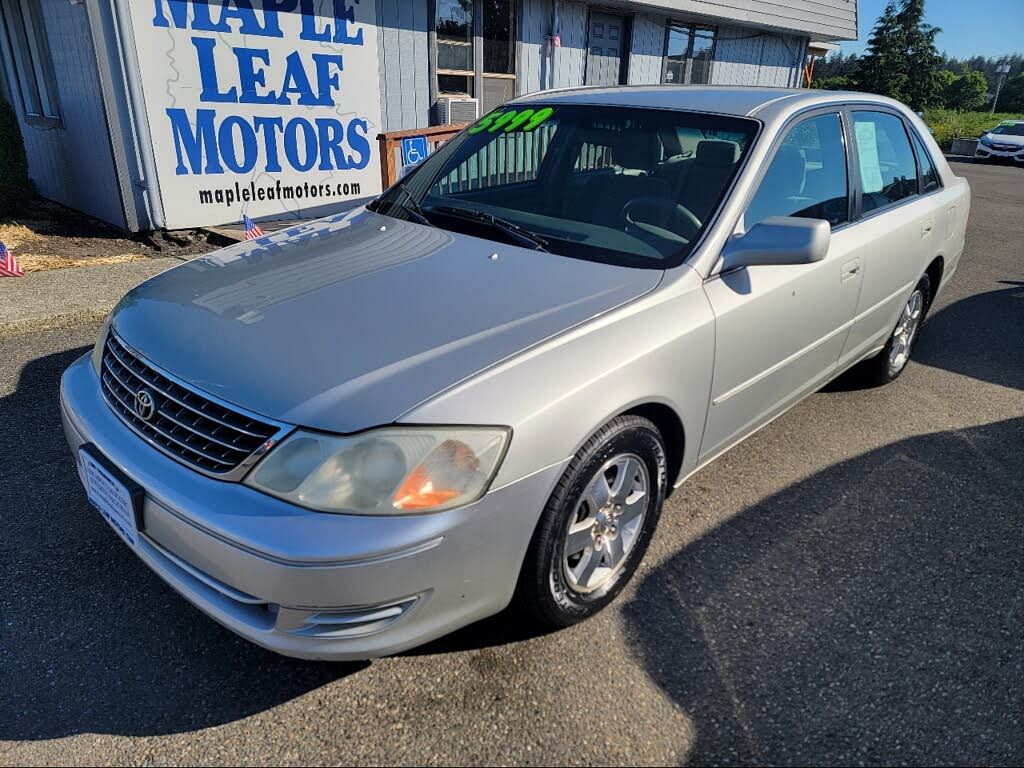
(888, 171)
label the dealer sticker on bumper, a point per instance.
(111, 496)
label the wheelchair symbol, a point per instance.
(414, 150)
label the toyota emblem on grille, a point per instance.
(145, 404)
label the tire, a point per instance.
(888, 364)
(554, 587)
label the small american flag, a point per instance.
(9, 266)
(252, 229)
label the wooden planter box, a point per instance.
(963, 147)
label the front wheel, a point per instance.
(888, 364)
(597, 524)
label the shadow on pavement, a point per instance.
(90, 640)
(874, 611)
(506, 628)
(871, 613)
(981, 336)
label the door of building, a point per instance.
(607, 48)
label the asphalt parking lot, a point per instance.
(847, 586)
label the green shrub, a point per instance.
(15, 188)
(966, 92)
(948, 124)
(837, 83)
(1011, 98)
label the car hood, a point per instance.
(348, 323)
(1005, 138)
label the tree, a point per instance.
(883, 67)
(1011, 98)
(944, 78)
(836, 65)
(921, 56)
(967, 92)
(835, 83)
(901, 58)
(986, 66)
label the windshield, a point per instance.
(1013, 129)
(627, 186)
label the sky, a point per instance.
(969, 27)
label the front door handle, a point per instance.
(851, 269)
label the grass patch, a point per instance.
(948, 124)
(31, 262)
(15, 235)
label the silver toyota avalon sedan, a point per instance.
(351, 437)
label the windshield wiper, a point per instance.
(513, 231)
(410, 206)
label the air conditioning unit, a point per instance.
(457, 109)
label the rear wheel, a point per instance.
(888, 364)
(597, 524)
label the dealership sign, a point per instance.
(259, 107)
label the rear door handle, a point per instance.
(926, 228)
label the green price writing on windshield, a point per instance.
(513, 120)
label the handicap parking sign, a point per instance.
(414, 150)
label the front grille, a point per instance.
(184, 424)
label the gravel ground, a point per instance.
(845, 587)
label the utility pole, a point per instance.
(1002, 70)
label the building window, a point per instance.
(689, 52)
(476, 49)
(454, 27)
(33, 67)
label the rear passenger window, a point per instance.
(888, 172)
(929, 177)
(807, 177)
(593, 156)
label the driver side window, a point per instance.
(807, 177)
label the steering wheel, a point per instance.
(672, 210)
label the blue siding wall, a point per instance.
(539, 66)
(72, 165)
(404, 64)
(824, 19)
(745, 56)
(648, 49)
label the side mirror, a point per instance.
(778, 240)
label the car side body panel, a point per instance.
(779, 330)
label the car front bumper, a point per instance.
(311, 584)
(985, 153)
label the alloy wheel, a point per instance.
(906, 331)
(606, 523)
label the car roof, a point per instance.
(721, 99)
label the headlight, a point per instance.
(389, 471)
(986, 141)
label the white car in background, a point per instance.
(1006, 140)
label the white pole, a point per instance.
(136, 99)
(1001, 70)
